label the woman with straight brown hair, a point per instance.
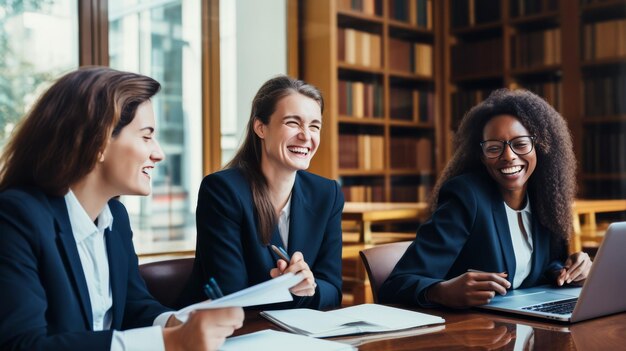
(68, 269)
(265, 197)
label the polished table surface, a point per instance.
(473, 329)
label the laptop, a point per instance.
(601, 295)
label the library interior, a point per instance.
(397, 77)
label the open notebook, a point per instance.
(365, 318)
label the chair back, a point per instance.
(380, 260)
(166, 279)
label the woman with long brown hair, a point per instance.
(502, 210)
(68, 269)
(265, 197)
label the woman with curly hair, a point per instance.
(502, 210)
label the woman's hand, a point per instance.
(297, 265)
(576, 269)
(204, 330)
(469, 289)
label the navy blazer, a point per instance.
(44, 301)
(229, 248)
(468, 230)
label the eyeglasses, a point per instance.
(521, 145)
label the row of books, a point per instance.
(477, 58)
(552, 92)
(363, 193)
(368, 7)
(359, 99)
(587, 2)
(410, 193)
(520, 8)
(413, 57)
(538, 48)
(604, 40)
(601, 152)
(416, 12)
(376, 193)
(467, 13)
(463, 100)
(411, 153)
(362, 151)
(411, 105)
(359, 47)
(606, 189)
(604, 96)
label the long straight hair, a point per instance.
(248, 156)
(60, 140)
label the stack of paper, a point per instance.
(365, 318)
(271, 340)
(271, 291)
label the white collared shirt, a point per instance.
(522, 246)
(91, 244)
(283, 223)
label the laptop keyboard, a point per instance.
(556, 307)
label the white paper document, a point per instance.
(272, 340)
(271, 291)
(365, 318)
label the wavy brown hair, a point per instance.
(248, 157)
(552, 186)
(60, 140)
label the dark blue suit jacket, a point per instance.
(228, 245)
(468, 230)
(44, 301)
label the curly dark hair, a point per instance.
(552, 186)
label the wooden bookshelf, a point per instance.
(378, 65)
(603, 89)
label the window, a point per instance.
(249, 55)
(162, 39)
(28, 63)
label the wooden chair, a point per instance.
(380, 260)
(166, 279)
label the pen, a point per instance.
(475, 271)
(212, 290)
(208, 291)
(479, 271)
(281, 253)
(216, 288)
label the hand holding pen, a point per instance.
(472, 288)
(294, 264)
(204, 329)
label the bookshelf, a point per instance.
(603, 85)
(377, 65)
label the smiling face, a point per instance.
(292, 136)
(510, 171)
(128, 160)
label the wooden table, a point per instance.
(477, 330)
(587, 209)
(366, 213)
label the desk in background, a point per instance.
(365, 214)
(587, 209)
(477, 330)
